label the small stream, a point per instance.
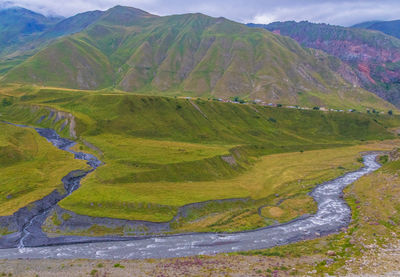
(31, 232)
(333, 214)
(33, 227)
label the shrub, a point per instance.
(6, 102)
(383, 159)
(66, 216)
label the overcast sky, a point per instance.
(340, 12)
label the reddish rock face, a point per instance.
(373, 56)
(364, 69)
(363, 57)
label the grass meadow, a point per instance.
(161, 153)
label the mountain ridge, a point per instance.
(374, 56)
(189, 55)
(391, 28)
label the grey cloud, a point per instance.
(341, 12)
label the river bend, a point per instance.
(333, 214)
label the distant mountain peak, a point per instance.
(123, 15)
(125, 10)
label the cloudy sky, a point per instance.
(341, 12)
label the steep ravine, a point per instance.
(333, 214)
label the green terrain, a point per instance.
(161, 153)
(118, 82)
(204, 125)
(30, 167)
(190, 55)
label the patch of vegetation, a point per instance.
(291, 208)
(383, 159)
(55, 220)
(66, 216)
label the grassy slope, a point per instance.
(156, 148)
(30, 168)
(23, 33)
(368, 247)
(287, 175)
(278, 182)
(192, 55)
(371, 237)
(75, 56)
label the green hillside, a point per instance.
(23, 33)
(162, 152)
(192, 55)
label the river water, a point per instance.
(333, 214)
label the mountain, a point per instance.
(23, 33)
(18, 25)
(391, 28)
(374, 56)
(72, 24)
(18, 28)
(192, 55)
(365, 25)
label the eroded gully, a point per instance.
(333, 214)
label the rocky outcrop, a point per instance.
(394, 155)
(56, 116)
